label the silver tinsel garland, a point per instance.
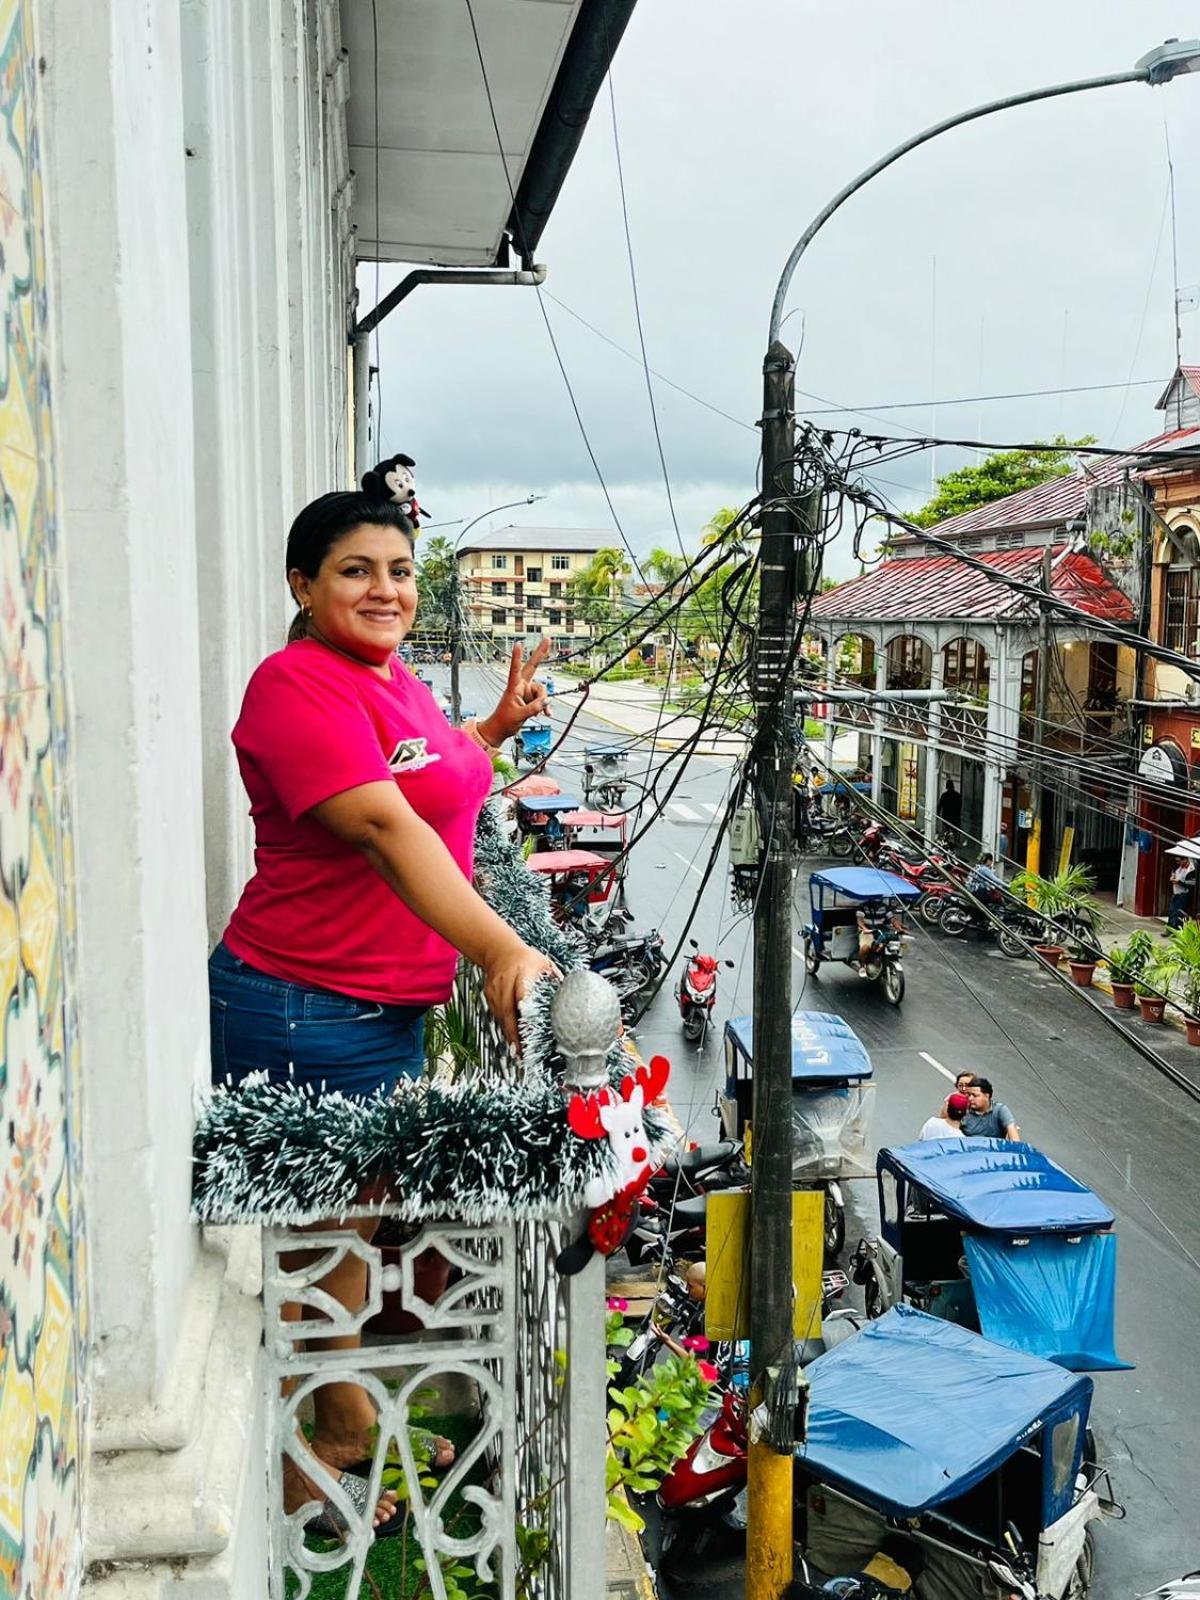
(476, 1151)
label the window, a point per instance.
(499, 617)
(534, 574)
(1180, 611)
(533, 627)
(518, 620)
(570, 624)
(555, 590)
(519, 593)
(500, 563)
(560, 563)
(554, 618)
(498, 589)
(534, 603)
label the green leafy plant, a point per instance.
(650, 1426)
(1065, 904)
(451, 1036)
(1127, 962)
(1181, 960)
(1153, 981)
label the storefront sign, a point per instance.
(1196, 738)
(1164, 763)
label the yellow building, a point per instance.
(516, 585)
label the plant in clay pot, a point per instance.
(1151, 991)
(1125, 965)
(1181, 962)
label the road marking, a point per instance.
(711, 807)
(685, 813)
(690, 865)
(936, 1065)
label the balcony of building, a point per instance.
(1081, 708)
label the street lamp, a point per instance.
(775, 1395)
(455, 602)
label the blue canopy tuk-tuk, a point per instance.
(836, 897)
(959, 1461)
(533, 742)
(993, 1235)
(833, 1097)
(542, 816)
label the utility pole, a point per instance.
(455, 609)
(774, 1393)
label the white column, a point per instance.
(877, 724)
(933, 723)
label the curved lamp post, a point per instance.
(455, 601)
(784, 560)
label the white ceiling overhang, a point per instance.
(429, 182)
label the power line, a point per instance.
(984, 399)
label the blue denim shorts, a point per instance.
(308, 1036)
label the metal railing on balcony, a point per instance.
(963, 726)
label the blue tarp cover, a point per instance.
(999, 1185)
(824, 1048)
(1049, 1297)
(866, 883)
(547, 804)
(913, 1411)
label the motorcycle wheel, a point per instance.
(929, 909)
(812, 961)
(841, 845)
(835, 1228)
(953, 920)
(1012, 944)
(893, 982)
(693, 1025)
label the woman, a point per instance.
(364, 803)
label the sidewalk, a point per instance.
(635, 707)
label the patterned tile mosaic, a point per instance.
(42, 1341)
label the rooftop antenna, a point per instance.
(1174, 279)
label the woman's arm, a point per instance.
(376, 820)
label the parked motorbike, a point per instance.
(697, 1171)
(630, 961)
(1019, 928)
(697, 993)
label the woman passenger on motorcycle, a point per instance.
(364, 803)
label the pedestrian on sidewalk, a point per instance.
(988, 1118)
(1183, 882)
(948, 1123)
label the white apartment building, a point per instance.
(516, 585)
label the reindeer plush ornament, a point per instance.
(615, 1115)
(393, 480)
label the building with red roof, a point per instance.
(1018, 608)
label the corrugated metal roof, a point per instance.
(1054, 503)
(583, 541)
(1190, 376)
(941, 588)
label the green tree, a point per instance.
(663, 566)
(596, 591)
(435, 580)
(1003, 473)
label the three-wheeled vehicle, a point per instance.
(604, 774)
(836, 897)
(833, 1098)
(993, 1235)
(577, 880)
(542, 817)
(946, 1467)
(533, 743)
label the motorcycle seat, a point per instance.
(704, 1155)
(689, 1213)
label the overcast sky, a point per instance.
(1029, 251)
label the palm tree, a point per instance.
(663, 566)
(436, 580)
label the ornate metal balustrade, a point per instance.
(508, 1348)
(964, 727)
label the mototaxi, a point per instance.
(533, 742)
(833, 1101)
(541, 817)
(577, 880)
(836, 896)
(604, 773)
(944, 1466)
(994, 1236)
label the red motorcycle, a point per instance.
(697, 993)
(937, 878)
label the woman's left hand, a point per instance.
(523, 697)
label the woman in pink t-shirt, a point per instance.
(364, 802)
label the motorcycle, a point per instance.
(631, 962)
(697, 994)
(696, 1172)
(1020, 928)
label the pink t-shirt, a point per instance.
(315, 724)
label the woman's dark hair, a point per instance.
(326, 520)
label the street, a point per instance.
(1077, 1090)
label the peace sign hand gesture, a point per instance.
(523, 696)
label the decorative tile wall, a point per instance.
(42, 1304)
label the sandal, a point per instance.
(330, 1523)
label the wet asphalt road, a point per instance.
(1077, 1089)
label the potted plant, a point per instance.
(1125, 965)
(1064, 903)
(1182, 961)
(1150, 989)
